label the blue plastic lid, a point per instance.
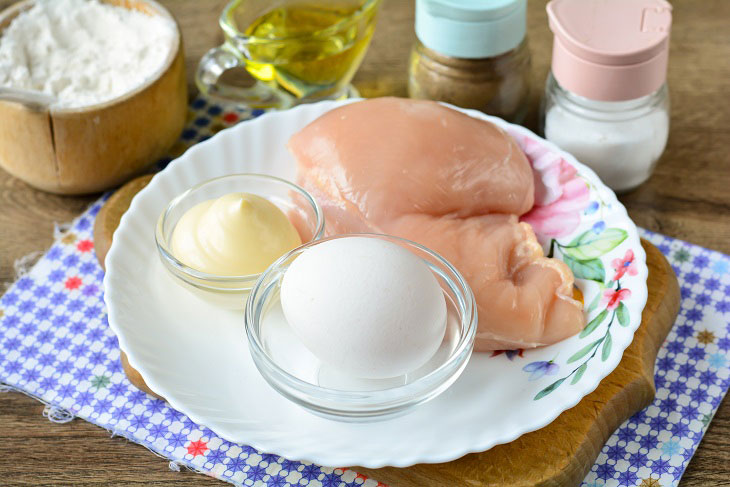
(471, 28)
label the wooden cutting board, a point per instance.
(562, 453)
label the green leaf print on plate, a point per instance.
(593, 324)
(584, 257)
(590, 245)
(586, 269)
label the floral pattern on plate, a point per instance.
(567, 202)
(162, 329)
(652, 448)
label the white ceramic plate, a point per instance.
(197, 357)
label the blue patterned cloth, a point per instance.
(56, 345)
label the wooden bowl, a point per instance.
(93, 148)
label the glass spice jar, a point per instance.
(472, 54)
(620, 140)
(606, 99)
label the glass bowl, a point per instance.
(231, 291)
(288, 366)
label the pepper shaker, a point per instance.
(606, 99)
(472, 54)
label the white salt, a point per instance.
(620, 141)
(83, 52)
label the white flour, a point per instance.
(82, 51)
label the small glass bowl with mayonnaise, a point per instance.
(361, 327)
(219, 236)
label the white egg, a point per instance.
(365, 306)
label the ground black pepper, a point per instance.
(496, 85)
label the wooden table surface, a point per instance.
(688, 197)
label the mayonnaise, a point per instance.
(234, 235)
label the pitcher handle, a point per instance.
(217, 61)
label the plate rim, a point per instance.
(570, 397)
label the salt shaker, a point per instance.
(472, 54)
(606, 98)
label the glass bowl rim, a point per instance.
(170, 259)
(465, 343)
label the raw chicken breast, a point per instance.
(456, 184)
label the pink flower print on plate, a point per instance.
(613, 297)
(624, 266)
(560, 195)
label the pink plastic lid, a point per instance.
(610, 50)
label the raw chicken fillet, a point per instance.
(451, 182)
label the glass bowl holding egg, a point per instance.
(361, 327)
(217, 237)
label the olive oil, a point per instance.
(310, 50)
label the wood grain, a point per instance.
(81, 151)
(568, 446)
(688, 197)
(107, 220)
